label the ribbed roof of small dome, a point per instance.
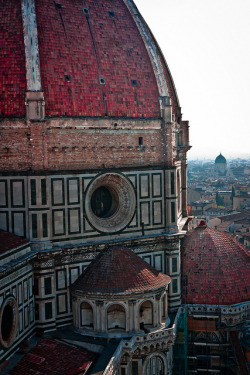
(119, 270)
(220, 159)
(215, 268)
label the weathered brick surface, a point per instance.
(87, 48)
(63, 144)
(12, 59)
(14, 145)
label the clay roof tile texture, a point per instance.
(119, 270)
(215, 268)
(9, 241)
(53, 357)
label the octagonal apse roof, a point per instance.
(215, 268)
(119, 270)
(95, 59)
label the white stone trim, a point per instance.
(151, 47)
(30, 34)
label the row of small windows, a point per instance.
(102, 81)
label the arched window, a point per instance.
(146, 314)
(116, 317)
(155, 366)
(87, 315)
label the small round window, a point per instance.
(104, 202)
(110, 202)
(8, 322)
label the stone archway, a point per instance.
(116, 317)
(155, 364)
(146, 314)
(87, 319)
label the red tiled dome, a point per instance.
(104, 43)
(119, 270)
(215, 268)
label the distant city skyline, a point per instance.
(206, 47)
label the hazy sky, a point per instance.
(206, 44)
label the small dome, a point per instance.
(220, 159)
(119, 270)
(215, 268)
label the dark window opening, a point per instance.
(47, 285)
(111, 14)
(103, 202)
(174, 286)
(134, 368)
(7, 322)
(45, 226)
(102, 81)
(35, 287)
(173, 212)
(67, 78)
(172, 183)
(34, 225)
(140, 141)
(43, 191)
(174, 265)
(134, 82)
(48, 310)
(58, 6)
(85, 10)
(33, 191)
(36, 311)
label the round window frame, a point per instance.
(10, 301)
(125, 207)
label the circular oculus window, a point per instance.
(110, 202)
(8, 322)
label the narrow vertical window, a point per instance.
(47, 285)
(140, 141)
(35, 287)
(174, 286)
(34, 225)
(174, 264)
(134, 368)
(33, 192)
(172, 183)
(173, 212)
(45, 225)
(43, 191)
(48, 310)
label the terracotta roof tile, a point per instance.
(9, 241)
(119, 270)
(215, 268)
(53, 357)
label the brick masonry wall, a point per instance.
(70, 144)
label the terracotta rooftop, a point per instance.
(119, 270)
(53, 357)
(215, 268)
(9, 241)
